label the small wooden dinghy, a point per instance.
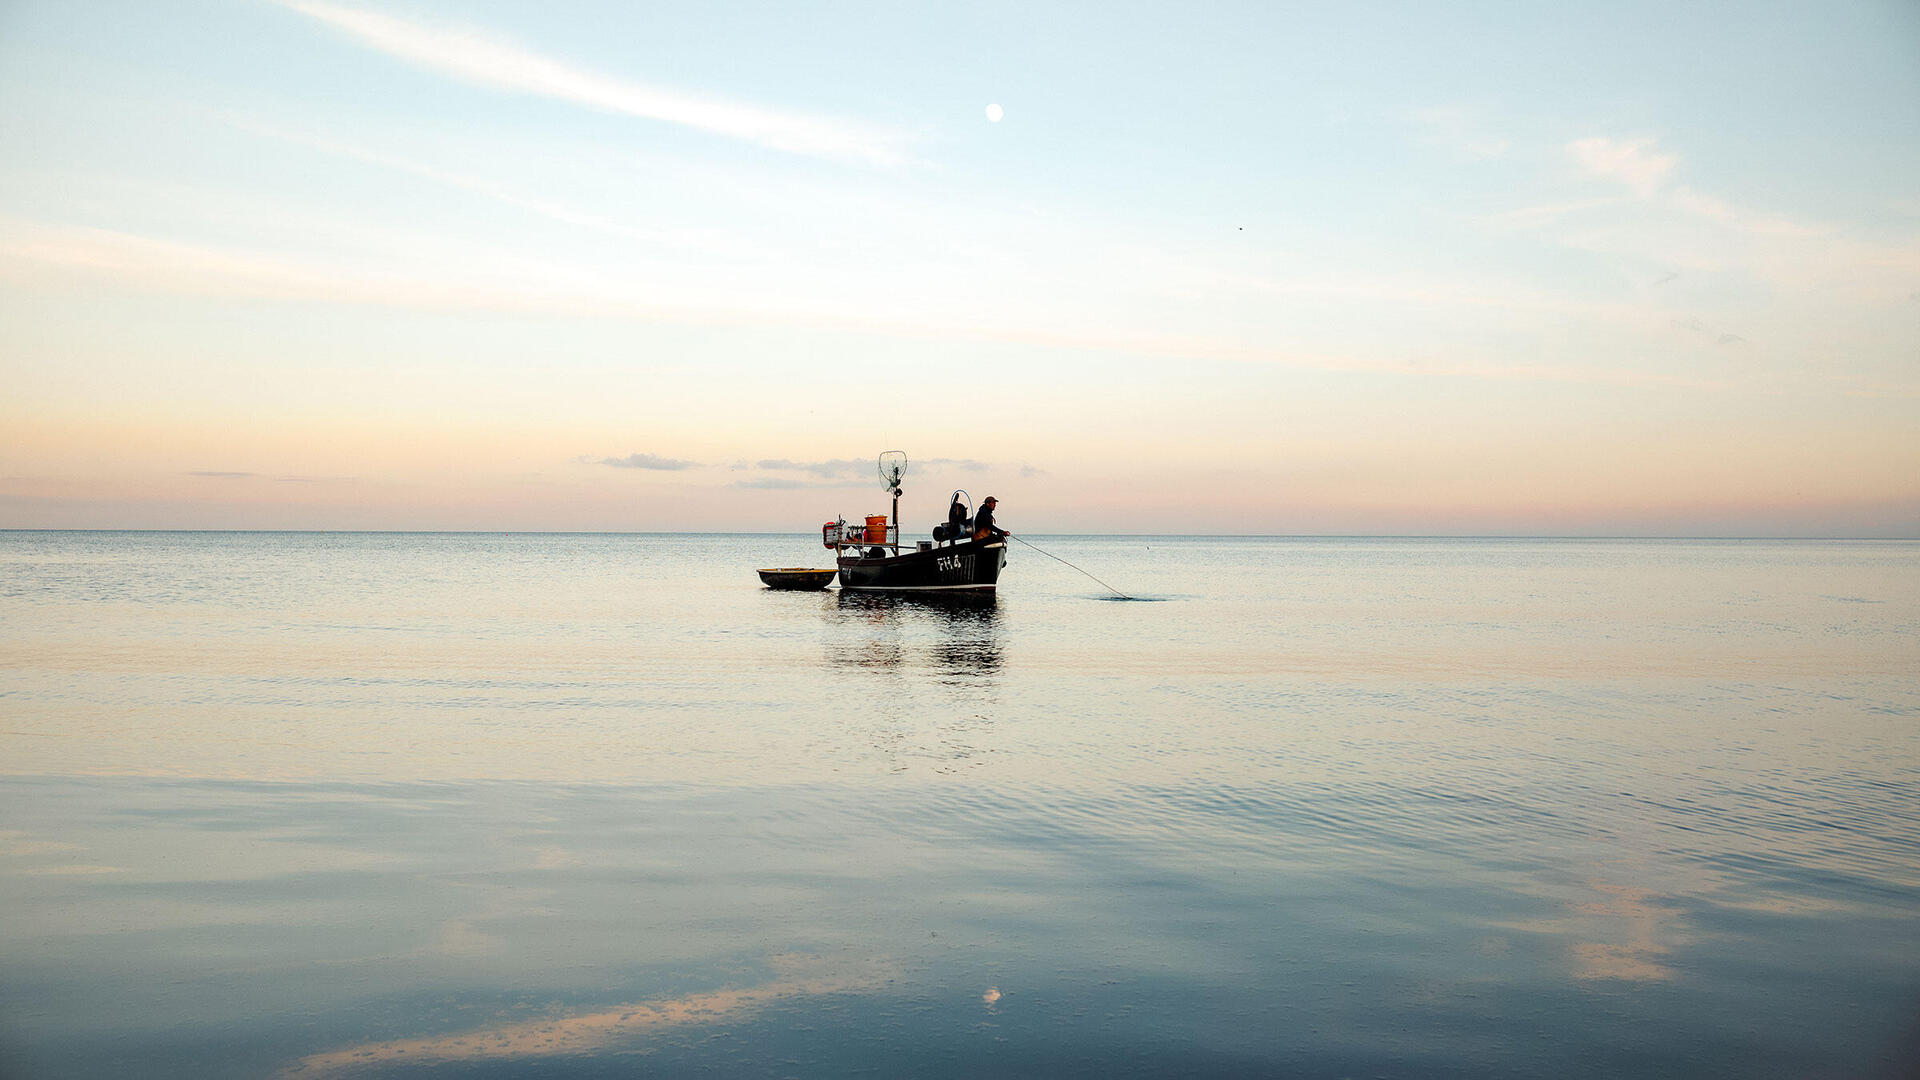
(797, 577)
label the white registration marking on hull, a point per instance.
(954, 566)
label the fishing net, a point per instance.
(893, 466)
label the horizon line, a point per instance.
(1174, 536)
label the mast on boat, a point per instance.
(893, 466)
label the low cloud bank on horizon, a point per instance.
(644, 461)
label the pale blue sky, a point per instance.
(1340, 268)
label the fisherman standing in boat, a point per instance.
(983, 526)
(957, 522)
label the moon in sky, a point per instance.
(994, 113)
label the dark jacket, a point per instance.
(983, 526)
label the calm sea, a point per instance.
(598, 805)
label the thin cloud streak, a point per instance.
(645, 461)
(1632, 162)
(683, 239)
(474, 58)
(1679, 227)
(218, 474)
(550, 210)
(840, 472)
(186, 269)
(1457, 130)
(781, 483)
(170, 267)
(836, 467)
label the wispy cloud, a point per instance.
(1459, 131)
(178, 268)
(1633, 162)
(835, 467)
(219, 474)
(643, 461)
(842, 472)
(678, 238)
(87, 257)
(170, 266)
(861, 467)
(1643, 170)
(1656, 223)
(785, 483)
(1721, 212)
(1529, 217)
(484, 282)
(488, 61)
(1718, 337)
(475, 185)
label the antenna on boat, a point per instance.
(893, 466)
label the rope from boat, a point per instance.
(1058, 559)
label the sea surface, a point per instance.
(600, 805)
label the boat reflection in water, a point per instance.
(957, 631)
(937, 661)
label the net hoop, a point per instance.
(893, 466)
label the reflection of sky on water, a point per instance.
(543, 810)
(274, 924)
(626, 1025)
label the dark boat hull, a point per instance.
(796, 578)
(972, 565)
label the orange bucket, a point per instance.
(876, 528)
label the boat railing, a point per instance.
(855, 535)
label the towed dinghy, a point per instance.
(797, 577)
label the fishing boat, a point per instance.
(871, 555)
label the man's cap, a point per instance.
(987, 500)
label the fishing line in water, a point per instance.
(1064, 562)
